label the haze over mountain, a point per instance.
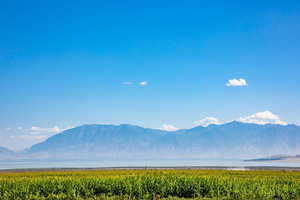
(4, 150)
(6, 153)
(230, 140)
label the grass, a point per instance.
(149, 184)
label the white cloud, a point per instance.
(8, 129)
(29, 137)
(207, 121)
(143, 83)
(38, 130)
(20, 137)
(127, 83)
(168, 127)
(262, 118)
(236, 82)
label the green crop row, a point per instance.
(144, 184)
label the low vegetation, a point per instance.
(149, 184)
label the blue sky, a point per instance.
(65, 63)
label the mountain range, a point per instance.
(230, 140)
(4, 150)
(6, 154)
(292, 158)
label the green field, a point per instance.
(149, 184)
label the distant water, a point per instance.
(142, 163)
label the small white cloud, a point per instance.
(20, 128)
(262, 118)
(168, 127)
(8, 129)
(36, 134)
(36, 129)
(143, 83)
(29, 137)
(236, 82)
(127, 83)
(207, 121)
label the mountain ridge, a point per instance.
(5, 150)
(233, 139)
(6, 154)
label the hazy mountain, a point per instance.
(4, 150)
(229, 140)
(293, 158)
(6, 153)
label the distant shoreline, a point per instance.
(250, 168)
